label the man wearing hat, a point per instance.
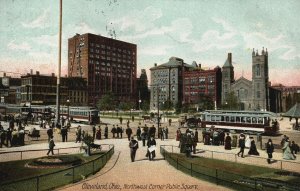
(133, 145)
(51, 146)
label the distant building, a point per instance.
(109, 65)
(252, 95)
(290, 95)
(167, 82)
(199, 83)
(10, 89)
(143, 93)
(39, 89)
(77, 91)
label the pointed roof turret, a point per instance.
(228, 62)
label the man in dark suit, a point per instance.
(51, 146)
(133, 145)
(242, 145)
(151, 143)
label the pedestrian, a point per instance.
(106, 132)
(98, 134)
(178, 133)
(118, 131)
(78, 134)
(167, 133)
(170, 122)
(8, 136)
(128, 132)
(294, 148)
(151, 148)
(282, 142)
(222, 137)
(127, 123)
(270, 150)
(242, 145)
(162, 137)
(287, 154)
(64, 134)
(113, 131)
(144, 137)
(196, 136)
(51, 146)
(94, 131)
(138, 133)
(227, 142)
(253, 149)
(132, 118)
(121, 132)
(121, 120)
(133, 145)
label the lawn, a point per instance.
(231, 171)
(17, 170)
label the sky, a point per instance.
(204, 31)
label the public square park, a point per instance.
(108, 165)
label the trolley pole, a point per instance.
(59, 67)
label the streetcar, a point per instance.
(241, 121)
(84, 114)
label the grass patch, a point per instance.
(16, 170)
(231, 171)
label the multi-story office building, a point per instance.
(167, 82)
(109, 65)
(39, 89)
(200, 83)
(77, 91)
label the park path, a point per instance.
(152, 175)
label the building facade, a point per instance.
(143, 93)
(167, 82)
(10, 89)
(200, 83)
(252, 95)
(77, 91)
(290, 95)
(109, 65)
(39, 89)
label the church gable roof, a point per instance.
(242, 80)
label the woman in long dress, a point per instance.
(247, 142)
(253, 150)
(287, 154)
(228, 142)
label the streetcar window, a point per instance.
(222, 118)
(248, 119)
(243, 120)
(260, 120)
(238, 119)
(254, 120)
(232, 119)
(227, 118)
(208, 118)
(218, 118)
(213, 118)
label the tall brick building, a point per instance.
(109, 65)
(199, 83)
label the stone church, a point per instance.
(252, 94)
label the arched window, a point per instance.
(257, 70)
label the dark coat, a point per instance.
(151, 142)
(270, 148)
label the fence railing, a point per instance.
(36, 153)
(249, 159)
(221, 177)
(62, 177)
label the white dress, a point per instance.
(247, 142)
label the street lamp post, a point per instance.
(68, 104)
(158, 108)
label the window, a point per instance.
(257, 70)
(258, 94)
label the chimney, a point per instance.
(4, 74)
(155, 64)
(229, 58)
(31, 71)
(199, 65)
(37, 73)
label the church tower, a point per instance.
(227, 77)
(260, 80)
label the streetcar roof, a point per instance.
(231, 112)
